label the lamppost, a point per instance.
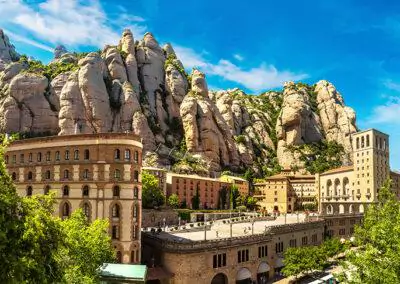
(205, 227)
(179, 221)
(252, 227)
(231, 228)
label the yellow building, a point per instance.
(99, 173)
(241, 183)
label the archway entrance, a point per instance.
(276, 209)
(220, 278)
(263, 273)
(243, 276)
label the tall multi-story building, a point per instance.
(99, 173)
(241, 183)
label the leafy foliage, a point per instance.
(152, 196)
(378, 258)
(50, 71)
(196, 200)
(173, 200)
(240, 139)
(171, 60)
(320, 156)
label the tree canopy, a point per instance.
(378, 258)
(152, 196)
(173, 200)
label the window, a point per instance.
(135, 192)
(14, 176)
(135, 210)
(219, 260)
(342, 222)
(279, 247)
(65, 210)
(21, 158)
(351, 230)
(117, 154)
(136, 156)
(304, 240)
(352, 222)
(115, 235)
(86, 154)
(29, 191)
(57, 155)
(39, 157)
(136, 176)
(117, 174)
(127, 154)
(314, 238)
(47, 175)
(30, 157)
(47, 189)
(6, 159)
(275, 199)
(116, 191)
(243, 255)
(85, 190)
(115, 211)
(65, 190)
(133, 256)
(67, 155)
(262, 251)
(30, 176)
(85, 173)
(66, 174)
(134, 232)
(48, 156)
(86, 210)
(293, 243)
(76, 155)
(342, 232)
(119, 257)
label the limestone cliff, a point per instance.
(143, 88)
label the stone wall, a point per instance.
(155, 218)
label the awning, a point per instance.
(263, 267)
(279, 262)
(158, 273)
(243, 274)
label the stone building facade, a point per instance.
(234, 260)
(100, 173)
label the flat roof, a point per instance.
(369, 129)
(339, 170)
(171, 174)
(124, 271)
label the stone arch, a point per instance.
(263, 273)
(346, 186)
(329, 209)
(243, 276)
(87, 209)
(329, 188)
(337, 187)
(361, 208)
(341, 209)
(219, 278)
(351, 209)
(65, 209)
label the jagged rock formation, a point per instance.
(140, 87)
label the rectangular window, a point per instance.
(262, 251)
(293, 243)
(243, 255)
(304, 241)
(342, 222)
(314, 238)
(21, 158)
(342, 232)
(219, 260)
(279, 247)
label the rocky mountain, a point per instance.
(143, 88)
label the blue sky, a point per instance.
(253, 45)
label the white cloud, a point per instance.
(72, 22)
(256, 79)
(387, 113)
(16, 37)
(392, 85)
(238, 57)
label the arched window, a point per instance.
(66, 174)
(6, 159)
(65, 190)
(85, 190)
(115, 236)
(46, 189)
(115, 211)
(368, 140)
(135, 192)
(134, 232)
(85, 173)
(67, 155)
(65, 210)
(47, 175)
(136, 156)
(14, 176)
(362, 142)
(48, 156)
(117, 174)
(30, 176)
(329, 209)
(29, 191)
(135, 210)
(86, 154)
(76, 155)
(57, 155)
(14, 159)
(86, 210)
(358, 143)
(346, 186)
(136, 176)
(337, 187)
(127, 154)
(39, 157)
(117, 154)
(329, 188)
(116, 191)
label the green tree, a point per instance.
(173, 200)
(378, 258)
(251, 203)
(234, 194)
(302, 260)
(152, 196)
(196, 200)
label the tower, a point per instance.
(371, 164)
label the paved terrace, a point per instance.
(219, 230)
